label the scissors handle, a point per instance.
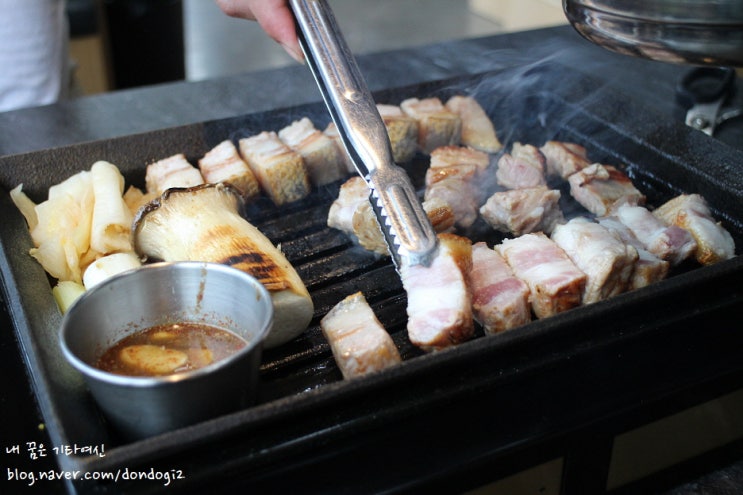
(705, 85)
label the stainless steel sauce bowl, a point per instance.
(159, 294)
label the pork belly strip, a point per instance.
(607, 261)
(279, 169)
(332, 132)
(369, 234)
(521, 168)
(453, 177)
(359, 342)
(454, 156)
(556, 284)
(648, 267)
(437, 126)
(173, 171)
(564, 159)
(321, 156)
(478, 130)
(691, 212)
(402, 131)
(668, 242)
(500, 300)
(522, 211)
(601, 188)
(223, 163)
(351, 194)
(351, 212)
(439, 301)
(453, 186)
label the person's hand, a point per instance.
(274, 16)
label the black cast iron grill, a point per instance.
(303, 401)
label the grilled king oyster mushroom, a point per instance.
(203, 223)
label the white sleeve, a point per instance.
(34, 65)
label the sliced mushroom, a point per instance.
(203, 223)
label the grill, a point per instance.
(474, 399)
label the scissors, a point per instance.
(705, 91)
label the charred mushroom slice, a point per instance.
(203, 223)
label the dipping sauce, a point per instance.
(168, 349)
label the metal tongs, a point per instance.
(407, 230)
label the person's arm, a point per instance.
(274, 16)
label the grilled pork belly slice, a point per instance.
(564, 159)
(174, 171)
(322, 160)
(223, 163)
(453, 177)
(500, 301)
(332, 132)
(352, 213)
(477, 129)
(279, 169)
(522, 211)
(441, 215)
(648, 267)
(522, 168)
(437, 126)
(352, 193)
(454, 186)
(359, 342)
(402, 130)
(439, 302)
(691, 212)
(606, 260)
(668, 242)
(366, 228)
(556, 284)
(453, 156)
(601, 188)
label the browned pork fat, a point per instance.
(332, 132)
(601, 188)
(607, 261)
(477, 129)
(439, 301)
(668, 242)
(522, 211)
(279, 169)
(223, 163)
(359, 342)
(453, 177)
(555, 282)
(648, 267)
(352, 213)
(174, 171)
(322, 159)
(402, 131)
(351, 194)
(691, 212)
(564, 159)
(437, 126)
(500, 301)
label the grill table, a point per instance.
(570, 402)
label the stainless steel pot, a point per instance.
(702, 32)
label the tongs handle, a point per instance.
(350, 103)
(405, 225)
